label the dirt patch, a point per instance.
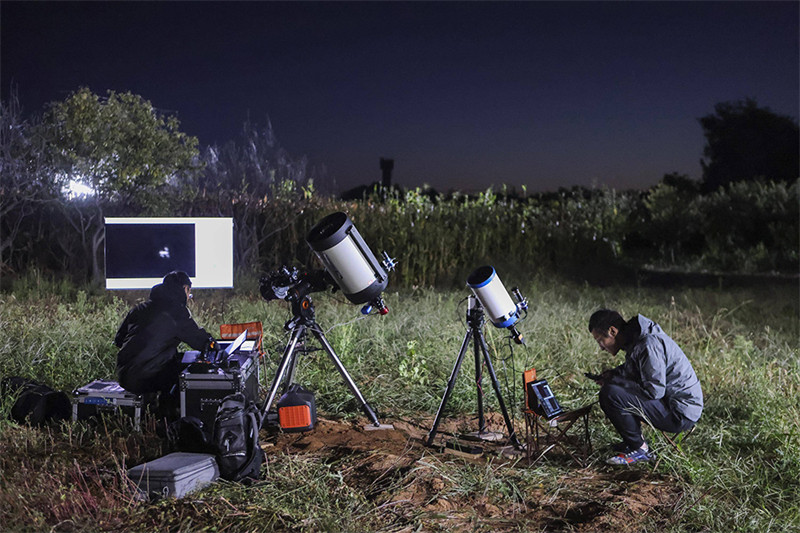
(493, 492)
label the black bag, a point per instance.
(236, 438)
(187, 434)
(36, 404)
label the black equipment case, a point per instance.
(203, 385)
(175, 475)
(103, 396)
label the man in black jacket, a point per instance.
(148, 359)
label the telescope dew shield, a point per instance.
(347, 258)
(490, 292)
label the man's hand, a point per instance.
(601, 378)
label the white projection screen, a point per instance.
(140, 251)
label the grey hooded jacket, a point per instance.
(656, 364)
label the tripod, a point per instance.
(475, 321)
(302, 322)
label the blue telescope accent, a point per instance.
(490, 292)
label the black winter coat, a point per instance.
(149, 337)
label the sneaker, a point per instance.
(630, 457)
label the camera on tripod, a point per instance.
(489, 297)
(292, 285)
(350, 267)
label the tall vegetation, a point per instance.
(137, 162)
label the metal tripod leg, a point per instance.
(479, 379)
(480, 350)
(343, 371)
(512, 435)
(287, 361)
(450, 384)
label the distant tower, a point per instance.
(386, 172)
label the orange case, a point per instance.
(295, 416)
(231, 331)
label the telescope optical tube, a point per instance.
(348, 259)
(489, 290)
(492, 295)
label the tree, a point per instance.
(242, 177)
(26, 182)
(747, 142)
(123, 149)
(682, 183)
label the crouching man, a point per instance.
(148, 360)
(656, 382)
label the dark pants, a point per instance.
(163, 378)
(627, 407)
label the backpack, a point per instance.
(36, 404)
(188, 435)
(236, 438)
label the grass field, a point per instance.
(739, 471)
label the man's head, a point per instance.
(606, 326)
(179, 277)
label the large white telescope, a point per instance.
(348, 259)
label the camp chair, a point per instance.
(254, 332)
(675, 441)
(553, 432)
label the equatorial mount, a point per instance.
(303, 321)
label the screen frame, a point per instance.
(213, 252)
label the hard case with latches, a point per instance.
(103, 396)
(203, 385)
(174, 475)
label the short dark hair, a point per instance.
(603, 319)
(179, 277)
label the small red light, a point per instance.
(384, 310)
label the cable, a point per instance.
(362, 317)
(458, 310)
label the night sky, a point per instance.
(460, 94)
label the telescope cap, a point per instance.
(329, 231)
(481, 276)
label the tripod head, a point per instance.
(303, 313)
(293, 285)
(476, 318)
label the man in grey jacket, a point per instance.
(656, 382)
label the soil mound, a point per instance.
(402, 476)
